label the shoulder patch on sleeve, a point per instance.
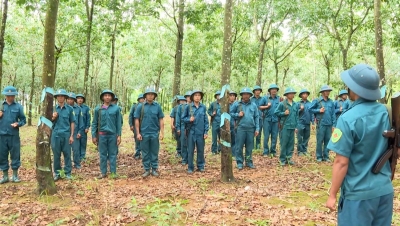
(336, 135)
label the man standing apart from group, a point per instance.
(106, 132)
(11, 118)
(270, 123)
(365, 198)
(303, 127)
(256, 99)
(149, 123)
(246, 114)
(86, 120)
(324, 109)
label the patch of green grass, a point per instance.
(259, 222)
(161, 212)
(9, 220)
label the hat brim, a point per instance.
(251, 94)
(367, 94)
(257, 89)
(112, 94)
(10, 94)
(277, 89)
(155, 94)
(289, 93)
(330, 90)
(304, 92)
(201, 93)
(56, 95)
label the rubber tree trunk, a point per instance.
(380, 61)
(89, 14)
(2, 33)
(179, 49)
(112, 55)
(260, 62)
(31, 92)
(226, 153)
(44, 173)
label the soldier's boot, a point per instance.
(15, 177)
(5, 177)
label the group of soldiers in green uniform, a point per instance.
(251, 114)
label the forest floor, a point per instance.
(268, 195)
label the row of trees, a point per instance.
(128, 45)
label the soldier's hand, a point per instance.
(78, 136)
(256, 133)
(214, 113)
(132, 128)
(139, 136)
(331, 203)
(269, 104)
(1, 114)
(295, 131)
(94, 140)
(241, 113)
(15, 124)
(340, 109)
(86, 130)
(118, 140)
(301, 107)
(55, 115)
(287, 112)
(178, 132)
(205, 136)
(161, 137)
(192, 119)
(322, 110)
(71, 139)
(333, 128)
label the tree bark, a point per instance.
(44, 174)
(260, 62)
(179, 49)
(31, 92)
(112, 54)
(226, 154)
(380, 61)
(2, 33)
(89, 14)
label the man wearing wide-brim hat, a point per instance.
(11, 118)
(366, 195)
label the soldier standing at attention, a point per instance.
(11, 118)
(78, 131)
(256, 99)
(173, 116)
(140, 100)
(215, 112)
(366, 198)
(270, 123)
(86, 117)
(149, 123)
(288, 113)
(180, 127)
(196, 120)
(303, 127)
(106, 132)
(246, 114)
(62, 136)
(341, 105)
(324, 110)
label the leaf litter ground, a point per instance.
(268, 195)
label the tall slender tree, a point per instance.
(380, 61)
(226, 156)
(2, 33)
(44, 174)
